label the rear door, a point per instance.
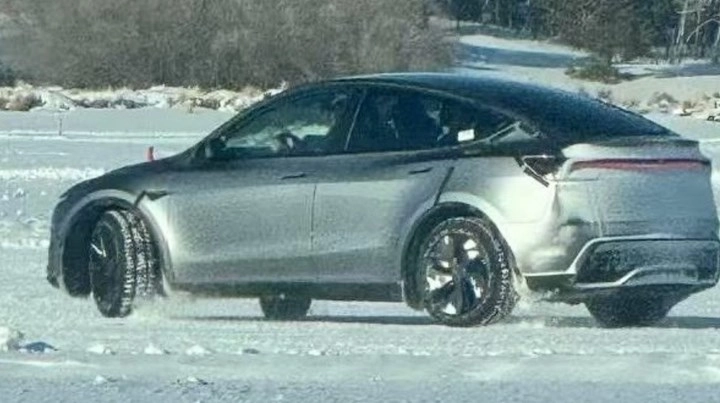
(393, 169)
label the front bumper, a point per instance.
(607, 264)
(55, 250)
(54, 264)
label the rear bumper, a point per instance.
(607, 264)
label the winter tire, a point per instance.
(465, 274)
(122, 263)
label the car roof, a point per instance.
(553, 110)
(482, 87)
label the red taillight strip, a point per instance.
(641, 164)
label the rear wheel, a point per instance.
(123, 263)
(623, 311)
(465, 272)
(282, 307)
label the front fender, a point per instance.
(87, 208)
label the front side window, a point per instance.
(314, 124)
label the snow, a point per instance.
(198, 350)
(186, 349)
(10, 339)
(100, 349)
(24, 97)
(152, 349)
(343, 351)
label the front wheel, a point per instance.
(465, 272)
(123, 263)
(623, 311)
(282, 307)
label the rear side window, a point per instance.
(407, 121)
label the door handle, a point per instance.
(294, 176)
(420, 171)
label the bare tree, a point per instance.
(230, 43)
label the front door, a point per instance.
(244, 214)
(243, 220)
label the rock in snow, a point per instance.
(100, 380)
(100, 349)
(38, 347)
(152, 349)
(196, 381)
(249, 351)
(10, 339)
(198, 350)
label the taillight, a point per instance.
(641, 164)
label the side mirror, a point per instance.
(215, 149)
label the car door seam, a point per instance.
(444, 183)
(312, 217)
(359, 105)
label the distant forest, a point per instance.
(612, 29)
(235, 43)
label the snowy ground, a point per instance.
(221, 350)
(24, 97)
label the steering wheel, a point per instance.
(288, 141)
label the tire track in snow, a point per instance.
(60, 174)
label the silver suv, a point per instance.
(439, 190)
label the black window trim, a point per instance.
(443, 96)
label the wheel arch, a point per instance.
(445, 209)
(74, 274)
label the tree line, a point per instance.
(217, 43)
(612, 29)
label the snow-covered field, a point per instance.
(209, 350)
(221, 350)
